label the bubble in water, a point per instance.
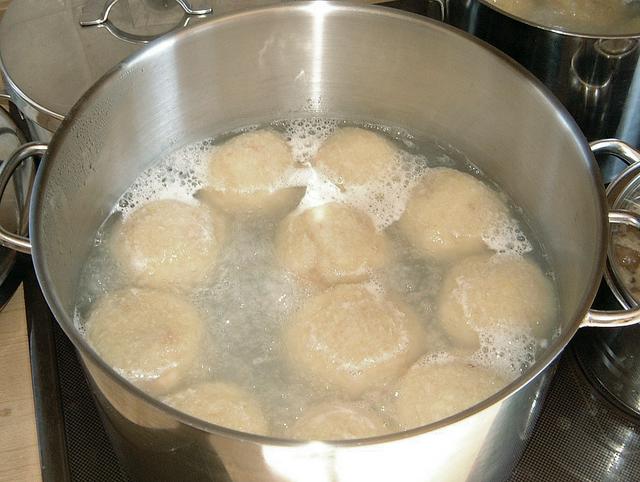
(507, 237)
(508, 351)
(305, 136)
(177, 176)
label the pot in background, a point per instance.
(339, 60)
(611, 358)
(596, 77)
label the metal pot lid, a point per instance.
(49, 59)
(583, 18)
(623, 260)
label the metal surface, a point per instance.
(579, 435)
(96, 13)
(616, 147)
(619, 192)
(596, 78)
(613, 356)
(13, 209)
(48, 60)
(345, 61)
(8, 239)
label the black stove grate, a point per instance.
(90, 454)
(580, 435)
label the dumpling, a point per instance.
(332, 243)
(222, 404)
(449, 212)
(434, 390)
(338, 420)
(152, 338)
(169, 242)
(352, 156)
(246, 174)
(487, 292)
(350, 338)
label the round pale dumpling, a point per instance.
(338, 420)
(434, 390)
(222, 404)
(351, 338)
(449, 212)
(499, 292)
(150, 337)
(352, 156)
(332, 243)
(245, 174)
(169, 242)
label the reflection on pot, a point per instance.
(595, 78)
(594, 67)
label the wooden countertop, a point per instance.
(19, 457)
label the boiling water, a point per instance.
(249, 300)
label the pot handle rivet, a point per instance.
(619, 317)
(8, 239)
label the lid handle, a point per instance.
(96, 12)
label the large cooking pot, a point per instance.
(594, 74)
(360, 63)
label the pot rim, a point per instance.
(556, 30)
(319, 7)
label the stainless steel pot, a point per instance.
(611, 358)
(347, 61)
(594, 76)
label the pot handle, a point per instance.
(629, 156)
(616, 147)
(616, 318)
(437, 9)
(8, 239)
(96, 13)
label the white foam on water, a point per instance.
(305, 136)
(383, 199)
(436, 358)
(178, 176)
(508, 351)
(507, 237)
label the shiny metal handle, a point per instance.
(619, 317)
(441, 6)
(141, 39)
(96, 13)
(7, 239)
(616, 147)
(4, 97)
